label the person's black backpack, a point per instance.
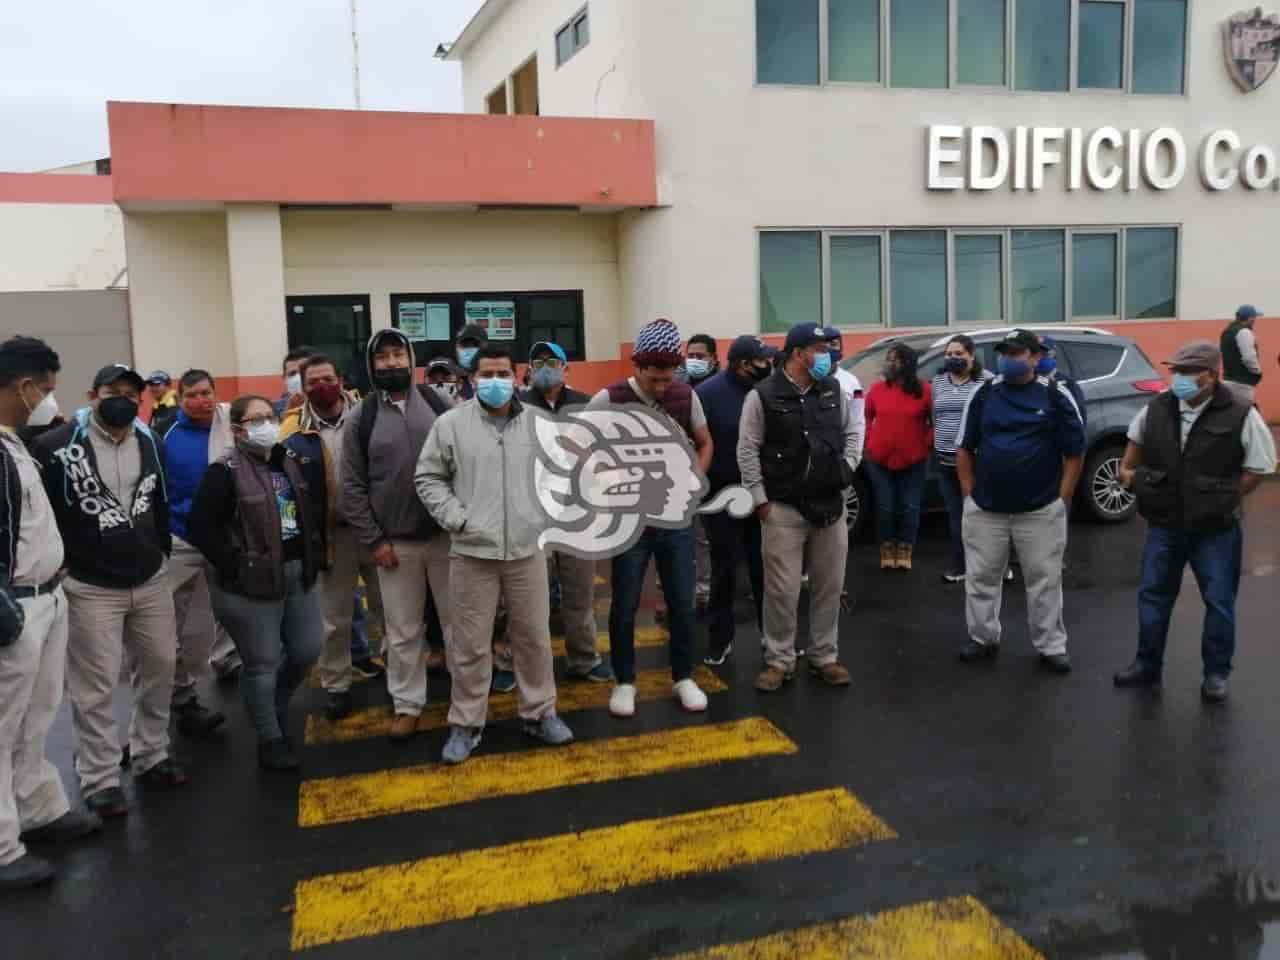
(369, 413)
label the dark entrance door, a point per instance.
(336, 325)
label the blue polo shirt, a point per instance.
(1019, 435)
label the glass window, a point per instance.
(855, 281)
(918, 277)
(787, 41)
(979, 278)
(790, 279)
(1092, 360)
(1039, 272)
(573, 37)
(980, 42)
(581, 31)
(1093, 275)
(1101, 45)
(564, 45)
(1159, 45)
(1151, 272)
(918, 43)
(1043, 44)
(853, 30)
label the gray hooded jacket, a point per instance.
(377, 489)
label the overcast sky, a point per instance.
(61, 60)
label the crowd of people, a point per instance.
(398, 532)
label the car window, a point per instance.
(868, 367)
(930, 367)
(1089, 361)
(987, 354)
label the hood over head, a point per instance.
(376, 341)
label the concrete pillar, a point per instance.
(256, 260)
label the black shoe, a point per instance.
(953, 576)
(716, 656)
(230, 674)
(339, 704)
(368, 668)
(196, 721)
(165, 775)
(124, 758)
(1136, 675)
(276, 755)
(1214, 688)
(72, 825)
(973, 651)
(108, 803)
(26, 871)
(1056, 662)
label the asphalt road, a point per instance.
(931, 810)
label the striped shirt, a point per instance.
(949, 401)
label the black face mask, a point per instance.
(758, 373)
(117, 411)
(393, 379)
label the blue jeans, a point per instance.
(672, 551)
(949, 484)
(732, 541)
(1215, 560)
(897, 494)
(359, 627)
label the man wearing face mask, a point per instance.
(732, 540)
(379, 454)
(577, 576)
(442, 377)
(1194, 454)
(1018, 459)
(292, 395)
(104, 473)
(797, 452)
(1047, 366)
(473, 476)
(43, 418)
(469, 342)
(700, 361)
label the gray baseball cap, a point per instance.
(1196, 355)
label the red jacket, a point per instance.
(899, 428)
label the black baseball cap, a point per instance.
(1020, 339)
(746, 347)
(804, 335)
(118, 371)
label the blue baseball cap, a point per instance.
(1247, 312)
(554, 348)
(804, 335)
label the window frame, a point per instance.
(570, 26)
(457, 298)
(1119, 231)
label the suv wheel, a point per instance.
(1106, 500)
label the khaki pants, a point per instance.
(404, 605)
(201, 638)
(577, 609)
(106, 626)
(790, 544)
(336, 586)
(474, 587)
(31, 672)
(1040, 538)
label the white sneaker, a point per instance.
(622, 702)
(690, 697)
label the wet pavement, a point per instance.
(1092, 823)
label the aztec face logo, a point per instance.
(602, 476)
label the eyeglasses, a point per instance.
(259, 421)
(551, 363)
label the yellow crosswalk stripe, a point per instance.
(376, 721)
(323, 802)
(419, 893)
(958, 929)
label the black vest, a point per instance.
(802, 457)
(1233, 367)
(1196, 490)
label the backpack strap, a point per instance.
(368, 417)
(434, 400)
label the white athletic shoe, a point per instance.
(690, 697)
(622, 702)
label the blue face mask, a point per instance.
(466, 355)
(821, 365)
(1184, 386)
(697, 368)
(835, 353)
(495, 392)
(548, 378)
(1013, 369)
(1046, 366)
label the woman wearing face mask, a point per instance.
(899, 431)
(961, 375)
(259, 518)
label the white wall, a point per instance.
(60, 246)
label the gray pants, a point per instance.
(278, 640)
(1040, 537)
(201, 638)
(336, 586)
(577, 608)
(404, 605)
(107, 626)
(791, 544)
(31, 672)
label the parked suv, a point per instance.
(1114, 374)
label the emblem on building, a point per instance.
(602, 476)
(1253, 48)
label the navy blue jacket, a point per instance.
(722, 396)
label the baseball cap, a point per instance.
(118, 371)
(554, 348)
(1196, 355)
(473, 331)
(745, 347)
(1020, 339)
(804, 335)
(832, 333)
(159, 377)
(1247, 312)
(438, 363)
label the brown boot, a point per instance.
(771, 678)
(403, 727)
(888, 556)
(436, 662)
(904, 556)
(832, 674)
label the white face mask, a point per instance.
(262, 436)
(293, 383)
(448, 390)
(44, 412)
